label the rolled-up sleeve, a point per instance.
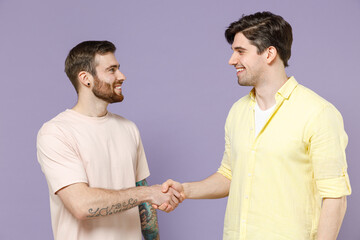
(327, 152)
(225, 167)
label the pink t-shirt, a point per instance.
(105, 152)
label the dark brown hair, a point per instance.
(264, 29)
(82, 58)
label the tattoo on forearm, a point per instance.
(113, 209)
(148, 217)
(141, 183)
(149, 223)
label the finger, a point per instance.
(176, 193)
(182, 197)
(163, 206)
(169, 209)
(154, 206)
(175, 200)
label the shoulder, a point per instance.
(117, 119)
(313, 101)
(55, 133)
(54, 126)
(121, 119)
(241, 104)
(318, 112)
(239, 108)
(309, 96)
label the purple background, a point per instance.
(178, 91)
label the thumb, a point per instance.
(166, 185)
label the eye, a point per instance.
(112, 70)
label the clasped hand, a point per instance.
(168, 195)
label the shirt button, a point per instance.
(249, 174)
(246, 197)
(251, 129)
(244, 221)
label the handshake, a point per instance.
(166, 197)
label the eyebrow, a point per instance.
(113, 66)
(239, 48)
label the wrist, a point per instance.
(145, 193)
(187, 190)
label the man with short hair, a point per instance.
(284, 168)
(94, 161)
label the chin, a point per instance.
(241, 83)
(118, 99)
(245, 83)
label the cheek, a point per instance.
(107, 80)
(256, 63)
(107, 86)
(103, 84)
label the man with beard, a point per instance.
(284, 167)
(94, 161)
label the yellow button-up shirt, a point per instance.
(279, 177)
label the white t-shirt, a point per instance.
(105, 152)
(261, 117)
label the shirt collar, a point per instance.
(289, 86)
(285, 91)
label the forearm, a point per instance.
(148, 217)
(331, 217)
(215, 186)
(87, 203)
(106, 202)
(149, 223)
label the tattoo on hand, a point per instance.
(113, 209)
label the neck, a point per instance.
(266, 89)
(90, 106)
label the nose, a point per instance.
(120, 76)
(233, 60)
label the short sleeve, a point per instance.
(225, 167)
(327, 152)
(59, 162)
(142, 168)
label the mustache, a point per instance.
(118, 82)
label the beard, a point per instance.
(250, 78)
(246, 82)
(105, 91)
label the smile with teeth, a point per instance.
(118, 86)
(240, 69)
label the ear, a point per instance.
(85, 78)
(271, 54)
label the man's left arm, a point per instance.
(331, 217)
(148, 217)
(328, 141)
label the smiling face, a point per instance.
(108, 79)
(248, 63)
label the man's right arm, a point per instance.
(215, 186)
(85, 202)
